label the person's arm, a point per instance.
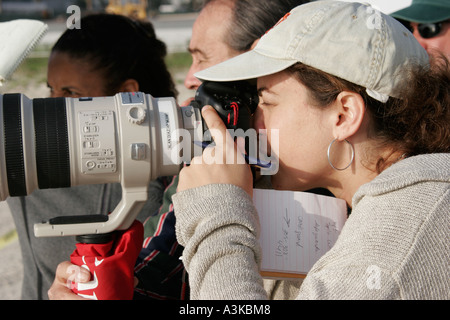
(218, 226)
(216, 221)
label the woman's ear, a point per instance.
(129, 85)
(350, 115)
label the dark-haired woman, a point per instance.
(107, 55)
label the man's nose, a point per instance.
(191, 82)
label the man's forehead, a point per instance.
(208, 34)
(216, 14)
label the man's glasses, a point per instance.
(426, 30)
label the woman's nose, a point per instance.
(258, 119)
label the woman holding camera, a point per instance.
(360, 111)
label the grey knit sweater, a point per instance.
(395, 245)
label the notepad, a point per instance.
(17, 39)
(297, 228)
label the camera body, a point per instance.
(235, 102)
(129, 138)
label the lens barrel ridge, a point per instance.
(12, 124)
(52, 143)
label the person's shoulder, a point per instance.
(430, 172)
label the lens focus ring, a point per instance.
(12, 123)
(52, 143)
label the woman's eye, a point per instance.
(72, 94)
(265, 103)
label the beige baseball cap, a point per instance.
(349, 40)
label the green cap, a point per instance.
(425, 11)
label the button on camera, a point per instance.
(136, 114)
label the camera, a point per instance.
(131, 138)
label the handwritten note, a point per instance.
(297, 228)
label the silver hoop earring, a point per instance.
(351, 160)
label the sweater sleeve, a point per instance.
(219, 228)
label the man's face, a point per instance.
(438, 43)
(207, 45)
(71, 77)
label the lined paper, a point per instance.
(297, 228)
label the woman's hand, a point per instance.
(66, 273)
(223, 163)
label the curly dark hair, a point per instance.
(418, 123)
(121, 48)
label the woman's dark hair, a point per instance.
(120, 48)
(418, 123)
